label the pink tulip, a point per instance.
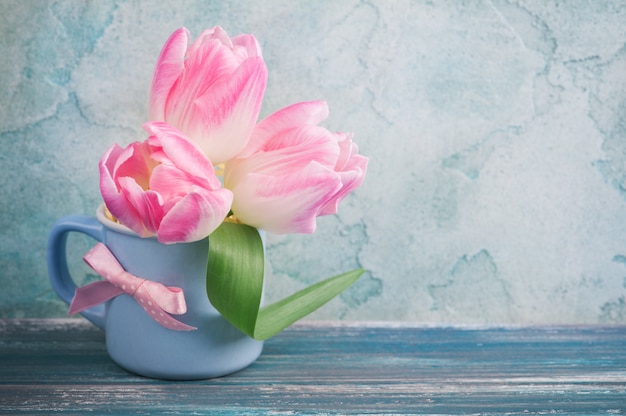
(293, 171)
(211, 91)
(164, 186)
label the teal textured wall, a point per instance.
(497, 181)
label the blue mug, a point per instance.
(134, 340)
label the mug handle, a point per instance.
(59, 274)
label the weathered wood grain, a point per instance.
(61, 367)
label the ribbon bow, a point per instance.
(156, 299)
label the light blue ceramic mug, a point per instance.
(134, 340)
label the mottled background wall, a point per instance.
(496, 131)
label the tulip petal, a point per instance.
(171, 182)
(351, 168)
(180, 151)
(135, 161)
(222, 121)
(293, 116)
(169, 67)
(288, 151)
(209, 61)
(351, 179)
(195, 216)
(285, 204)
(207, 35)
(147, 204)
(208, 64)
(249, 45)
(114, 199)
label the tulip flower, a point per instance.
(163, 186)
(212, 91)
(293, 171)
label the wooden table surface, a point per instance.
(61, 366)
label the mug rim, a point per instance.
(112, 225)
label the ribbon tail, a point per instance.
(91, 295)
(153, 305)
(153, 309)
(159, 300)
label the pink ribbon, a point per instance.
(156, 299)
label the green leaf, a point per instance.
(235, 274)
(278, 316)
(235, 284)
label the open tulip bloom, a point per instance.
(276, 175)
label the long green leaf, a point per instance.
(277, 316)
(235, 284)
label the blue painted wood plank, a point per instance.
(50, 366)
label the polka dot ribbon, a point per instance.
(156, 299)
